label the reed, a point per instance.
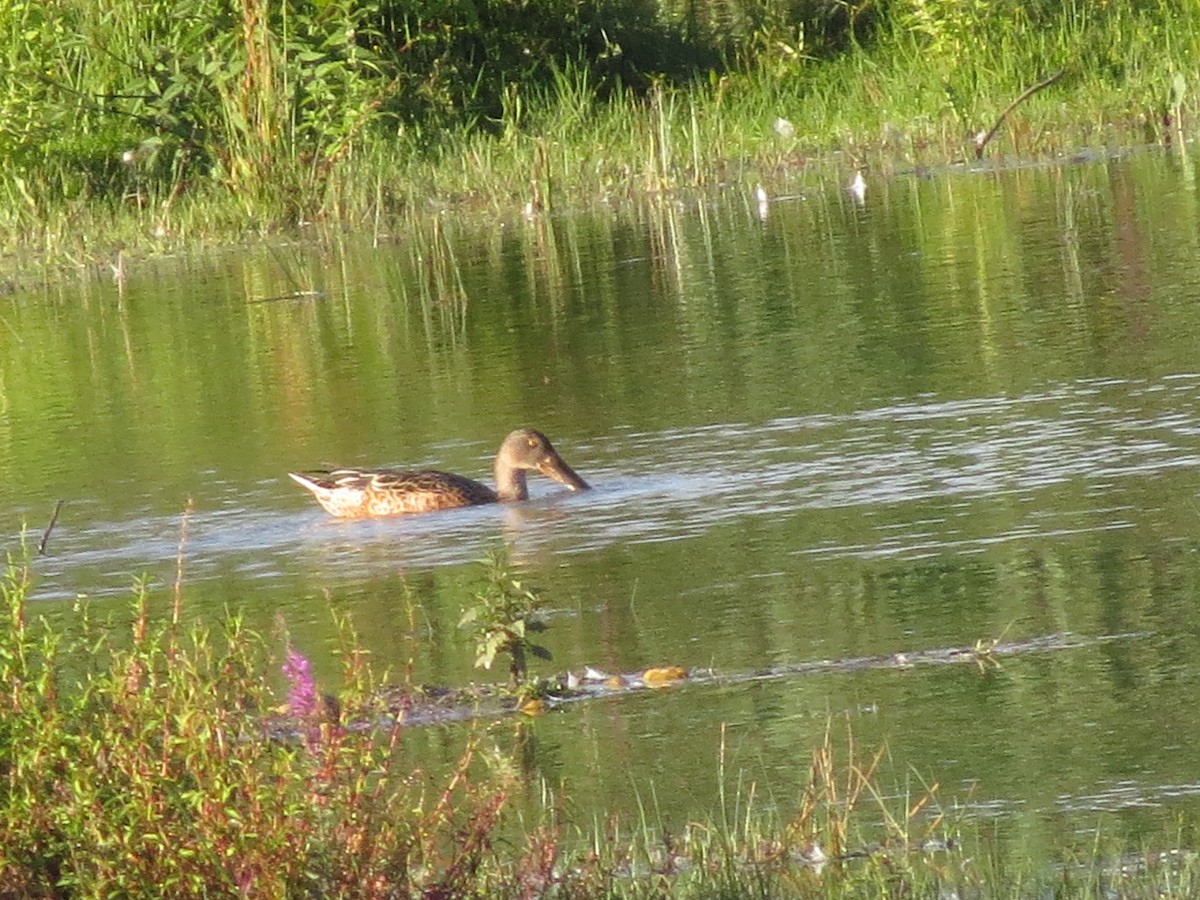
(138, 127)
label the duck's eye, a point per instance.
(533, 442)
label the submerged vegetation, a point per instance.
(158, 759)
(150, 125)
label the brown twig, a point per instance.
(981, 142)
(49, 528)
(292, 295)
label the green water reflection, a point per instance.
(966, 407)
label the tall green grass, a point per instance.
(160, 125)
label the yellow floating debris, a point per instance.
(664, 675)
(615, 681)
(532, 707)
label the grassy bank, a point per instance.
(127, 130)
(160, 758)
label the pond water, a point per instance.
(966, 407)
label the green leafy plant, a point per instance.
(503, 617)
(145, 760)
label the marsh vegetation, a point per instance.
(164, 757)
(145, 127)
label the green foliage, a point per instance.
(147, 764)
(200, 119)
(263, 100)
(503, 617)
(137, 100)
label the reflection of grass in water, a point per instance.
(154, 772)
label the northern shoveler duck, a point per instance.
(355, 493)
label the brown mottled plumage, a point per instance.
(354, 493)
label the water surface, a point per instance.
(967, 407)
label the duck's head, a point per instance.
(526, 450)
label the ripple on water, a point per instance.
(907, 480)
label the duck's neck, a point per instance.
(510, 482)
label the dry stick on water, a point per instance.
(982, 141)
(293, 295)
(49, 528)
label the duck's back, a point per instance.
(351, 493)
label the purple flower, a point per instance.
(302, 690)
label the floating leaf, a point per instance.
(663, 676)
(532, 707)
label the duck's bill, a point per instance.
(554, 467)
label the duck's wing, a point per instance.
(391, 492)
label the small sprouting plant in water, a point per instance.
(503, 617)
(984, 651)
